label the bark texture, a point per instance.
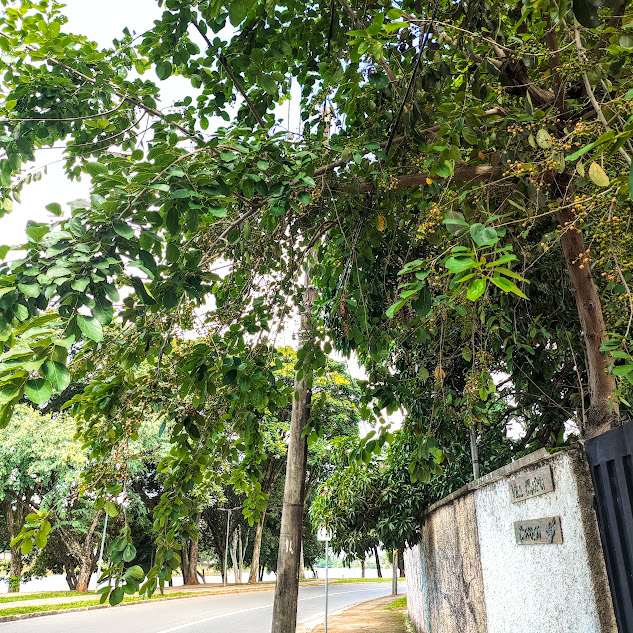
(14, 517)
(257, 549)
(603, 411)
(287, 587)
(378, 569)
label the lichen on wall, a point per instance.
(444, 580)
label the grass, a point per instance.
(347, 581)
(74, 605)
(19, 597)
(399, 603)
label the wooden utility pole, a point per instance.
(394, 577)
(287, 587)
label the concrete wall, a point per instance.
(470, 574)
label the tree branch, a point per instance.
(223, 62)
(590, 93)
(122, 95)
(382, 61)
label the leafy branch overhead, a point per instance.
(459, 214)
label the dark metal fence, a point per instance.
(610, 458)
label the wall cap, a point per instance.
(536, 457)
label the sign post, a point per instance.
(323, 534)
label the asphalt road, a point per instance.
(246, 612)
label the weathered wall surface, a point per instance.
(444, 581)
(538, 587)
(470, 575)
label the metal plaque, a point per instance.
(538, 482)
(544, 531)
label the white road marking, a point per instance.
(265, 606)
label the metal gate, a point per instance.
(610, 458)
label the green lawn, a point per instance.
(19, 597)
(346, 581)
(399, 603)
(77, 604)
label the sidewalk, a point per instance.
(368, 617)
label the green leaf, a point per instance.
(583, 150)
(38, 390)
(172, 252)
(543, 139)
(124, 230)
(305, 197)
(90, 327)
(459, 264)
(586, 13)
(57, 374)
(102, 310)
(163, 70)
(116, 597)
(218, 212)
(40, 539)
(30, 290)
(631, 183)
(622, 370)
(36, 231)
(482, 235)
(422, 305)
(80, 284)
(392, 310)
(476, 288)
(598, 175)
(111, 509)
(238, 10)
(26, 547)
(95, 169)
(129, 553)
(507, 286)
(55, 208)
(470, 136)
(8, 393)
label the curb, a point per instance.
(197, 594)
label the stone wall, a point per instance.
(469, 574)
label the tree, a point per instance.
(41, 466)
(468, 159)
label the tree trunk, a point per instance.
(71, 578)
(257, 548)
(85, 572)
(234, 562)
(242, 545)
(287, 586)
(302, 565)
(394, 573)
(190, 562)
(82, 551)
(14, 519)
(190, 558)
(603, 412)
(362, 568)
(378, 570)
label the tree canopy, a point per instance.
(460, 190)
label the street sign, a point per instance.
(323, 534)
